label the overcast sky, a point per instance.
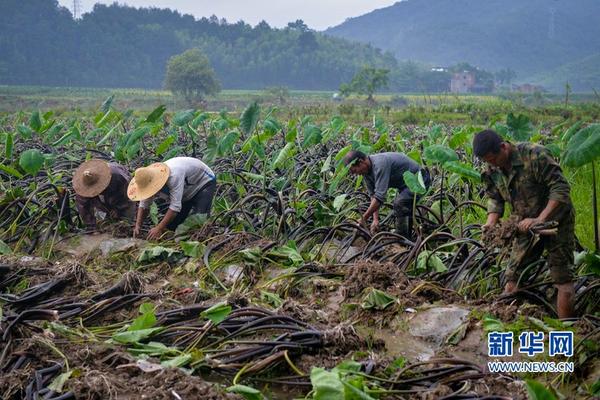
(317, 14)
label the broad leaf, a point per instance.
(519, 127)
(439, 154)
(284, 155)
(58, 382)
(31, 161)
(177, 362)
(377, 299)
(311, 136)
(146, 320)
(426, 261)
(413, 182)
(192, 249)
(338, 202)
(157, 253)
(130, 337)
(11, 171)
(537, 391)
(165, 144)
(327, 385)
(249, 118)
(4, 248)
(106, 104)
(35, 122)
(247, 392)
(227, 142)
(194, 221)
(217, 313)
(584, 147)
(156, 113)
(183, 117)
(464, 170)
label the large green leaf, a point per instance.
(156, 113)
(414, 182)
(4, 248)
(8, 146)
(377, 300)
(247, 392)
(130, 337)
(11, 171)
(427, 261)
(538, 391)
(584, 147)
(519, 127)
(463, 170)
(439, 154)
(183, 117)
(285, 155)
(217, 313)
(193, 221)
(157, 253)
(35, 122)
(227, 142)
(250, 118)
(31, 161)
(311, 135)
(58, 382)
(327, 385)
(146, 320)
(106, 104)
(177, 362)
(165, 145)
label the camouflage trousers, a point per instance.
(527, 249)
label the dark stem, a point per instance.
(595, 208)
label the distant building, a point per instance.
(462, 82)
(527, 88)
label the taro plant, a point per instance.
(584, 148)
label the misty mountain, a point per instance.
(120, 46)
(529, 37)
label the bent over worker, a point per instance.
(101, 185)
(187, 183)
(531, 181)
(380, 172)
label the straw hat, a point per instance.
(148, 181)
(91, 178)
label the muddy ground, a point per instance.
(425, 321)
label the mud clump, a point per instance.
(364, 274)
(500, 234)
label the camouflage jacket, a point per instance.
(534, 178)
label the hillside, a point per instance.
(582, 75)
(119, 46)
(527, 36)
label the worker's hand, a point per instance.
(155, 233)
(136, 231)
(527, 223)
(486, 227)
(363, 222)
(374, 227)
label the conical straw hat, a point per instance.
(91, 178)
(147, 181)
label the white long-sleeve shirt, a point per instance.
(187, 176)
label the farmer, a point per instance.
(526, 176)
(100, 185)
(186, 182)
(380, 172)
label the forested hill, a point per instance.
(118, 46)
(527, 36)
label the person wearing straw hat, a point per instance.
(101, 185)
(187, 183)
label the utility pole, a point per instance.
(76, 9)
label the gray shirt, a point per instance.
(386, 171)
(186, 177)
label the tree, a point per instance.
(367, 81)
(189, 74)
